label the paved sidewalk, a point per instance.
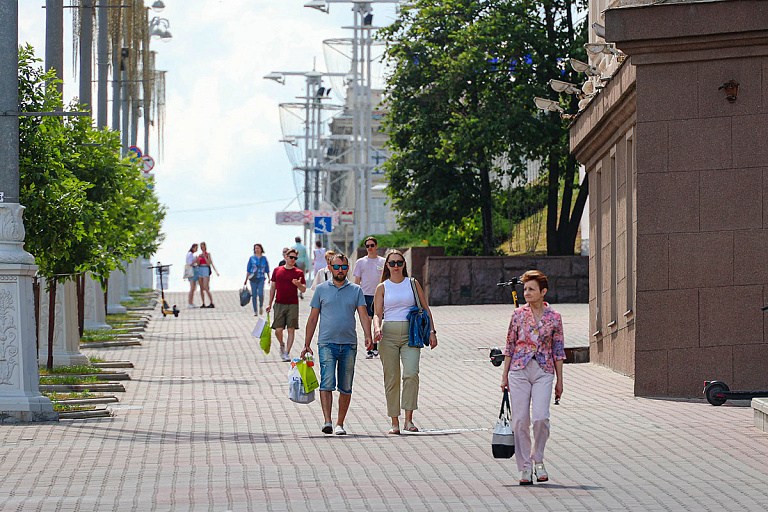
(205, 425)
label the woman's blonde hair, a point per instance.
(385, 273)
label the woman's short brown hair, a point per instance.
(538, 276)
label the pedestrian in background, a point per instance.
(533, 356)
(191, 262)
(204, 265)
(324, 274)
(257, 271)
(334, 304)
(302, 260)
(367, 274)
(320, 262)
(288, 281)
(392, 302)
(282, 261)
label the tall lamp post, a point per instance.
(314, 95)
(362, 103)
(20, 398)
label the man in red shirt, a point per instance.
(288, 281)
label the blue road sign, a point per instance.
(323, 225)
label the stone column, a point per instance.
(123, 277)
(66, 337)
(135, 274)
(146, 274)
(113, 294)
(94, 305)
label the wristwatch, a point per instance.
(433, 331)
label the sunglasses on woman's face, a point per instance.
(396, 263)
(342, 267)
(369, 246)
(292, 258)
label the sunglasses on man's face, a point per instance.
(370, 246)
(292, 258)
(342, 267)
(396, 263)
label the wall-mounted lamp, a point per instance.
(731, 90)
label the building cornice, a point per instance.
(604, 115)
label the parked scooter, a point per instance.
(717, 392)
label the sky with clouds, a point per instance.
(223, 174)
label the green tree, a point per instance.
(460, 104)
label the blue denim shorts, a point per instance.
(369, 304)
(337, 358)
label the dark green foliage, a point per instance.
(461, 111)
(86, 207)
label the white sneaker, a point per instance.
(287, 357)
(339, 431)
(282, 352)
(191, 306)
(541, 472)
(526, 477)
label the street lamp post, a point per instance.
(362, 102)
(314, 94)
(20, 398)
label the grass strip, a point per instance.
(79, 370)
(66, 379)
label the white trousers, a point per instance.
(530, 390)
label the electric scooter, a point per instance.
(165, 309)
(717, 392)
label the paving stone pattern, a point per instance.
(205, 424)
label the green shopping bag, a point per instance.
(308, 376)
(266, 337)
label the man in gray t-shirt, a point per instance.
(334, 304)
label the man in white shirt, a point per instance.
(368, 275)
(319, 257)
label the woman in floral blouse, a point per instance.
(533, 356)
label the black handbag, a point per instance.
(503, 443)
(245, 296)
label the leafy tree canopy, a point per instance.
(461, 111)
(86, 207)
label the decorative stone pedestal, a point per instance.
(20, 398)
(66, 335)
(95, 313)
(134, 275)
(124, 295)
(760, 407)
(113, 294)
(146, 274)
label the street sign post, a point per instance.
(323, 226)
(148, 163)
(134, 153)
(346, 217)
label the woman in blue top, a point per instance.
(257, 272)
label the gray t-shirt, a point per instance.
(337, 312)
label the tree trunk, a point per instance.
(486, 209)
(552, 206)
(51, 320)
(106, 298)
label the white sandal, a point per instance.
(525, 477)
(541, 472)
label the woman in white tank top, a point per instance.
(392, 303)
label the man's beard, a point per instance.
(339, 279)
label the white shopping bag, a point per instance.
(260, 323)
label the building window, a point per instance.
(630, 216)
(614, 279)
(598, 246)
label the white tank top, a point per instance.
(398, 300)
